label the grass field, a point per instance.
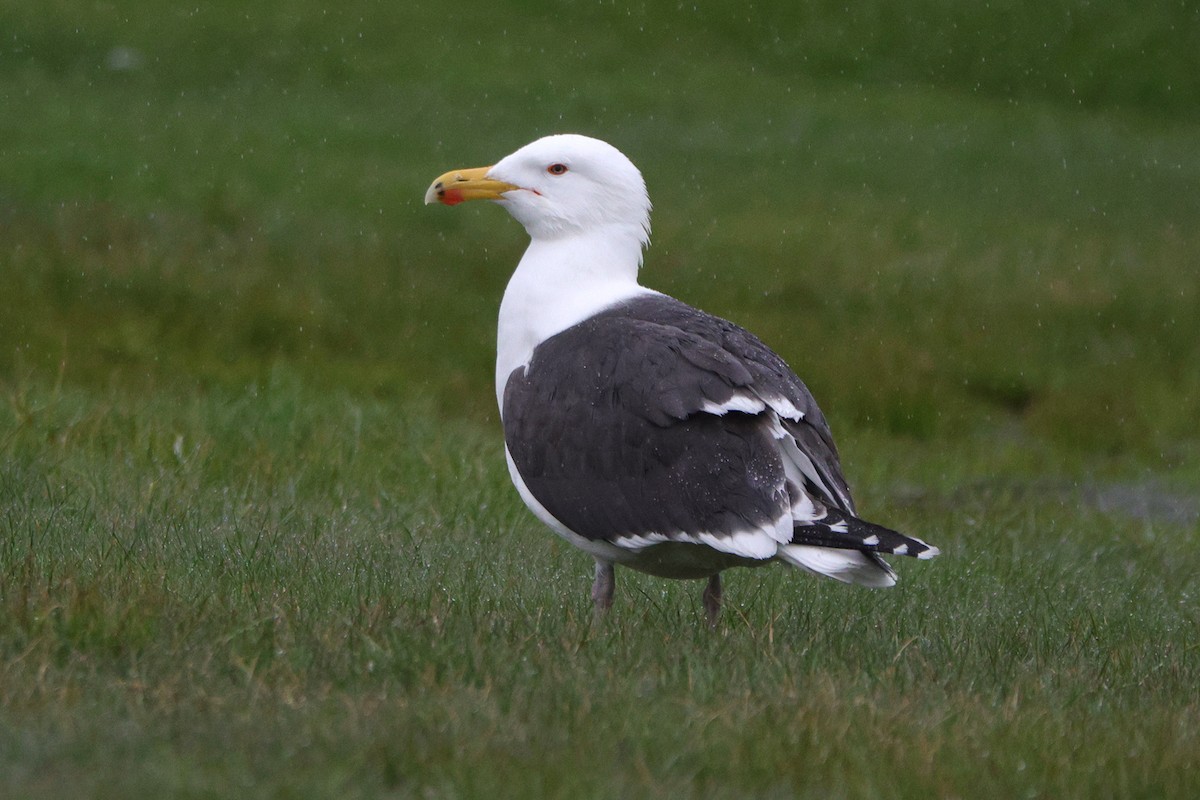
(256, 534)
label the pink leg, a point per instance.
(712, 600)
(602, 588)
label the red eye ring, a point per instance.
(557, 169)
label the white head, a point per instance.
(558, 186)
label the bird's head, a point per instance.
(558, 186)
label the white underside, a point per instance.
(847, 566)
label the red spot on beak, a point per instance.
(451, 197)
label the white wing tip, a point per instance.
(739, 402)
(784, 408)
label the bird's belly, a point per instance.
(683, 560)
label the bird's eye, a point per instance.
(557, 169)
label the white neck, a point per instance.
(559, 283)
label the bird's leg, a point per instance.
(602, 588)
(712, 600)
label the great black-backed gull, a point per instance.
(645, 432)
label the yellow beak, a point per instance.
(466, 184)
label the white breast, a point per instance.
(560, 283)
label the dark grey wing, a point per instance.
(768, 377)
(605, 427)
(811, 430)
(647, 422)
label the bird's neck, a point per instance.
(560, 282)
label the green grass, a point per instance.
(256, 534)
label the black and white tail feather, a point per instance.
(842, 531)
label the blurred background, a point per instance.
(256, 534)
(960, 222)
